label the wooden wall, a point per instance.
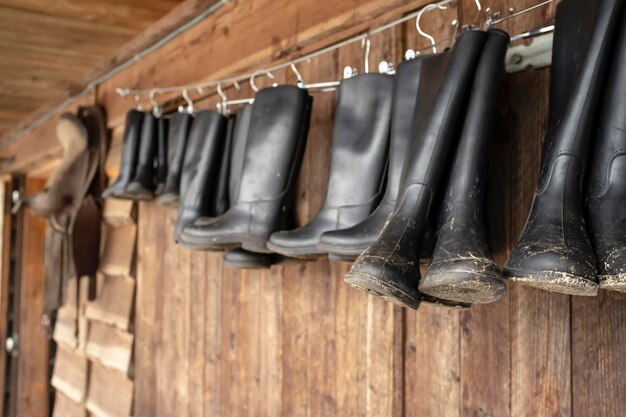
(295, 340)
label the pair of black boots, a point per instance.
(574, 239)
(152, 156)
(237, 206)
(449, 99)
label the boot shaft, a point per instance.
(180, 124)
(130, 147)
(447, 82)
(278, 129)
(583, 42)
(144, 171)
(360, 140)
(466, 178)
(203, 152)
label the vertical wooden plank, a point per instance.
(34, 349)
(149, 310)
(599, 355)
(196, 332)
(432, 371)
(214, 386)
(270, 349)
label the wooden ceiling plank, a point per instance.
(133, 14)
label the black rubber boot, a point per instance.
(130, 150)
(278, 131)
(607, 175)
(554, 252)
(462, 268)
(389, 268)
(357, 167)
(221, 188)
(347, 244)
(201, 166)
(161, 158)
(180, 124)
(143, 183)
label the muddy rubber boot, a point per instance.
(462, 268)
(357, 166)
(606, 192)
(161, 157)
(280, 119)
(554, 252)
(130, 150)
(201, 165)
(143, 184)
(389, 268)
(347, 244)
(180, 123)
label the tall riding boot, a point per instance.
(607, 176)
(554, 251)
(143, 183)
(347, 244)
(278, 131)
(177, 141)
(130, 149)
(161, 158)
(462, 268)
(389, 267)
(203, 156)
(357, 166)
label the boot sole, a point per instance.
(381, 289)
(247, 265)
(613, 282)
(560, 282)
(306, 252)
(341, 253)
(394, 295)
(463, 286)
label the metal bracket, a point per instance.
(536, 55)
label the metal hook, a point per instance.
(269, 75)
(367, 44)
(300, 83)
(419, 28)
(189, 108)
(236, 85)
(221, 106)
(138, 104)
(156, 108)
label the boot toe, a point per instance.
(464, 280)
(242, 259)
(552, 270)
(345, 243)
(615, 282)
(299, 243)
(138, 191)
(390, 281)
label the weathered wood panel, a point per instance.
(32, 365)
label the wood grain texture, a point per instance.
(71, 370)
(65, 407)
(104, 386)
(110, 346)
(48, 47)
(114, 301)
(32, 364)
